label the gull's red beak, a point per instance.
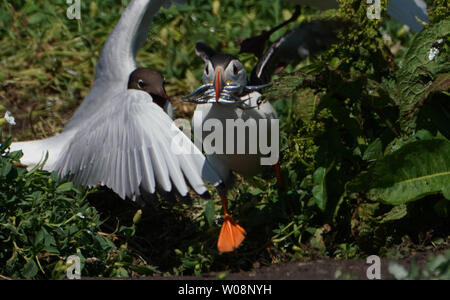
(164, 95)
(160, 97)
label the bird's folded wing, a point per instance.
(133, 144)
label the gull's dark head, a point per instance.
(220, 69)
(150, 81)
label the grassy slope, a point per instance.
(47, 60)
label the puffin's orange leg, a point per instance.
(277, 170)
(231, 234)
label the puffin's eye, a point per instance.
(140, 83)
(235, 69)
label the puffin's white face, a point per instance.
(233, 73)
(222, 70)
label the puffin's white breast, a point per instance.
(246, 130)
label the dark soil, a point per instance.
(322, 269)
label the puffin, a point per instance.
(122, 135)
(226, 98)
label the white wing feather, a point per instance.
(116, 61)
(128, 146)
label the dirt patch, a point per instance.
(321, 269)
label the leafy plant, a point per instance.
(43, 221)
(374, 153)
(414, 171)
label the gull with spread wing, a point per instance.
(122, 134)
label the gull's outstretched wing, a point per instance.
(132, 144)
(116, 60)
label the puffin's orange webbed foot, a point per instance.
(231, 234)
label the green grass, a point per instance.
(48, 60)
(340, 121)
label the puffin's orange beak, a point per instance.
(218, 85)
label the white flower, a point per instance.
(387, 39)
(9, 118)
(433, 53)
(80, 215)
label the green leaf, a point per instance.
(396, 213)
(335, 62)
(54, 177)
(5, 144)
(39, 238)
(256, 192)
(306, 104)
(49, 242)
(65, 187)
(374, 151)
(128, 231)
(5, 168)
(319, 191)
(210, 212)
(120, 272)
(145, 270)
(446, 192)
(414, 171)
(104, 243)
(418, 72)
(37, 18)
(317, 241)
(30, 270)
(424, 135)
(16, 155)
